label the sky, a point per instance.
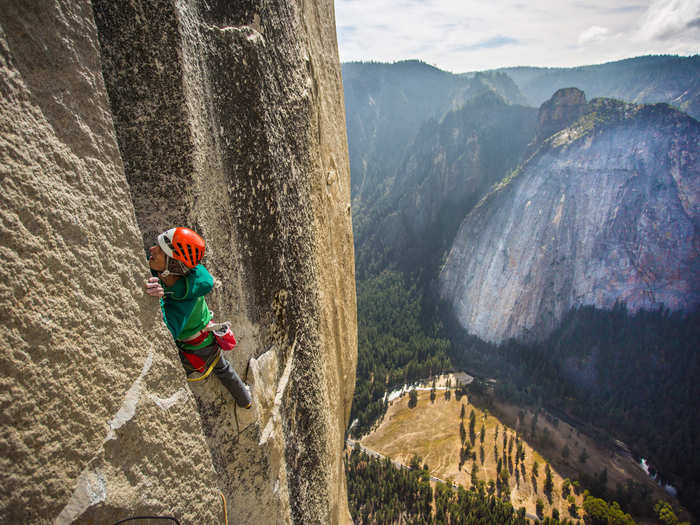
(473, 35)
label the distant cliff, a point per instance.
(386, 107)
(118, 120)
(606, 210)
(447, 169)
(645, 79)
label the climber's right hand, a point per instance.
(153, 287)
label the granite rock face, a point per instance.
(606, 210)
(120, 119)
(565, 107)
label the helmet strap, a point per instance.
(167, 271)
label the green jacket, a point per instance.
(185, 311)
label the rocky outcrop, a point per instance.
(119, 120)
(647, 79)
(564, 108)
(606, 211)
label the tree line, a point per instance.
(633, 375)
(393, 347)
(381, 494)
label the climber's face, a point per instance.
(157, 259)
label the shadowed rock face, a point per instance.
(607, 210)
(121, 120)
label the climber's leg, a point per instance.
(228, 376)
(225, 372)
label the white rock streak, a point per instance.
(91, 487)
(128, 408)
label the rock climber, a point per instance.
(181, 283)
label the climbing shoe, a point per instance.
(249, 396)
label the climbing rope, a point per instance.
(225, 513)
(148, 518)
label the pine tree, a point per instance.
(548, 483)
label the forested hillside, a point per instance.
(664, 78)
(380, 493)
(633, 375)
(448, 168)
(387, 104)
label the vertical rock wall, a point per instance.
(96, 421)
(229, 119)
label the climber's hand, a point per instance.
(153, 287)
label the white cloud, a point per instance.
(671, 19)
(593, 34)
(470, 35)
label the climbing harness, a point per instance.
(206, 374)
(225, 340)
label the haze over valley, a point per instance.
(538, 228)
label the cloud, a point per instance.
(593, 34)
(469, 35)
(489, 43)
(625, 9)
(670, 19)
(588, 6)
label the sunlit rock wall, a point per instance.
(221, 116)
(97, 423)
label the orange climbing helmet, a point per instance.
(182, 244)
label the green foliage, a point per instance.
(565, 488)
(539, 508)
(393, 347)
(598, 512)
(412, 398)
(548, 483)
(635, 376)
(379, 493)
(665, 513)
(472, 425)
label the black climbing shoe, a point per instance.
(250, 403)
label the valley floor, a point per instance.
(431, 430)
